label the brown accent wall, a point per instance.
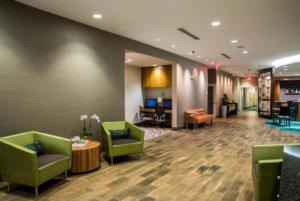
(53, 69)
(277, 91)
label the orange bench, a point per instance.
(197, 116)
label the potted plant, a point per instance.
(86, 132)
(224, 105)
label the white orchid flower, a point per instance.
(95, 117)
(83, 117)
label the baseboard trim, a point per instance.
(177, 128)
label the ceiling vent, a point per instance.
(188, 33)
(241, 46)
(226, 56)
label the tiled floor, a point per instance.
(210, 164)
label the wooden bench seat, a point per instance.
(197, 116)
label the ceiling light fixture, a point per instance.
(128, 61)
(215, 23)
(286, 61)
(234, 41)
(157, 39)
(173, 46)
(245, 52)
(285, 69)
(97, 16)
(199, 56)
(154, 65)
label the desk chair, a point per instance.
(146, 119)
(284, 115)
(160, 116)
(293, 109)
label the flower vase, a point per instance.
(86, 135)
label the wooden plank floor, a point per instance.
(210, 164)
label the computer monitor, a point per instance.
(151, 103)
(167, 103)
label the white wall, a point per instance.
(224, 84)
(191, 92)
(133, 93)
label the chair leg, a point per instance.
(66, 175)
(8, 187)
(36, 190)
(111, 160)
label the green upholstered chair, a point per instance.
(266, 167)
(134, 144)
(22, 166)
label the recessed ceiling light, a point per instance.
(97, 16)
(154, 65)
(173, 46)
(128, 61)
(284, 66)
(157, 39)
(280, 73)
(190, 52)
(245, 52)
(215, 23)
(285, 69)
(199, 56)
(234, 41)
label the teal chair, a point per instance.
(266, 167)
(134, 144)
(22, 166)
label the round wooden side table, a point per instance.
(87, 158)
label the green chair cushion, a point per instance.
(49, 158)
(121, 141)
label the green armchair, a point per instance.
(134, 144)
(266, 167)
(22, 166)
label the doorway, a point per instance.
(249, 98)
(210, 100)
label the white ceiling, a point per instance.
(269, 29)
(288, 70)
(142, 60)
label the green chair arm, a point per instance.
(135, 132)
(18, 163)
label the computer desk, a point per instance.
(152, 110)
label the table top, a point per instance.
(91, 145)
(152, 110)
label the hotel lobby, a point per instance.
(150, 100)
